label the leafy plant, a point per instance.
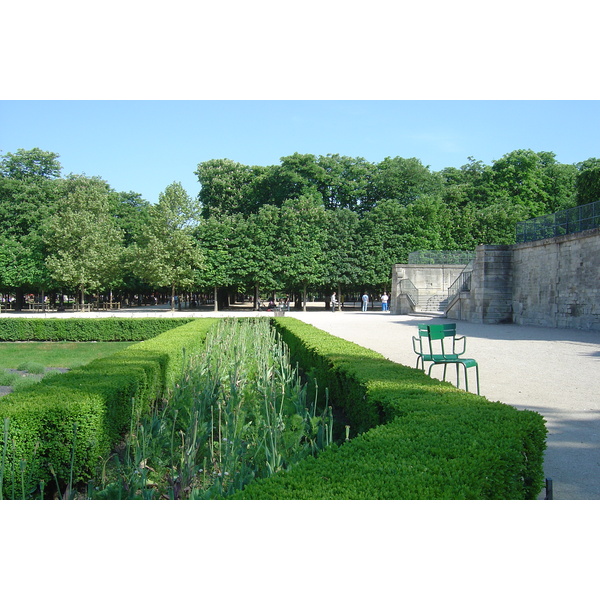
(238, 412)
(7, 378)
(35, 368)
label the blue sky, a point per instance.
(143, 146)
(140, 94)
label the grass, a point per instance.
(36, 357)
(55, 354)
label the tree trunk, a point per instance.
(304, 298)
(255, 296)
(173, 296)
(216, 299)
(19, 299)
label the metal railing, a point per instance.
(408, 287)
(463, 282)
(571, 220)
(440, 257)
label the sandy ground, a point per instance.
(555, 372)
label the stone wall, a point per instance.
(556, 282)
(490, 298)
(549, 283)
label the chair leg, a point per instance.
(476, 377)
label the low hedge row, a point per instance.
(88, 409)
(419, 438)
(112, 329)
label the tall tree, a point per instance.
(225, 187)
(262, 234)
(303, 235)
(30, 164)
(341, 252)
(404, 180)
(588, 181)
(223, 249)
(519, 178)
(166, 252)
(131, 213)
(345, 182)
(83, 241)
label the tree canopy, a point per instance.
(309, 223)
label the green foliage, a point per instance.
(225, 186)
(418, 438)
(82, 413)
(30, 164)
(59, 233)
(7, 378)
(588, 182)
(237, 412)
(342, 247)
(85, 330)
(302, 238)
(222, 245)
(82, 237)
(166, 254)
(405, 180)
(31, 367)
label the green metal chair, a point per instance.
(423, 347)
(442, 351)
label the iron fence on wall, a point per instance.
(440, 257)
(571, 220)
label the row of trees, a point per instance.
(307, 224)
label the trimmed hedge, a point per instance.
(111, 329)
(419, 438)
(96, 399)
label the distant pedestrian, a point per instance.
(333, 301)
(384, 302)
(365, 302)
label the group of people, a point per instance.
(364, 302)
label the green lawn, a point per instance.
(56, 354)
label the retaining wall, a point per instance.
(549, 283)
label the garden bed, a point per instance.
(410, 436)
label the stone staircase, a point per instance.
(433, 304)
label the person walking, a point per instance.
(333, 301)
(365, 302)
(384, 302)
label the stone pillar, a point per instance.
(491, 285)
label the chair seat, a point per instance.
(467, 362)
(441, 357)
(435, 335)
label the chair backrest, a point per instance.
(450, 329)
(438, 333)
(433, 336)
